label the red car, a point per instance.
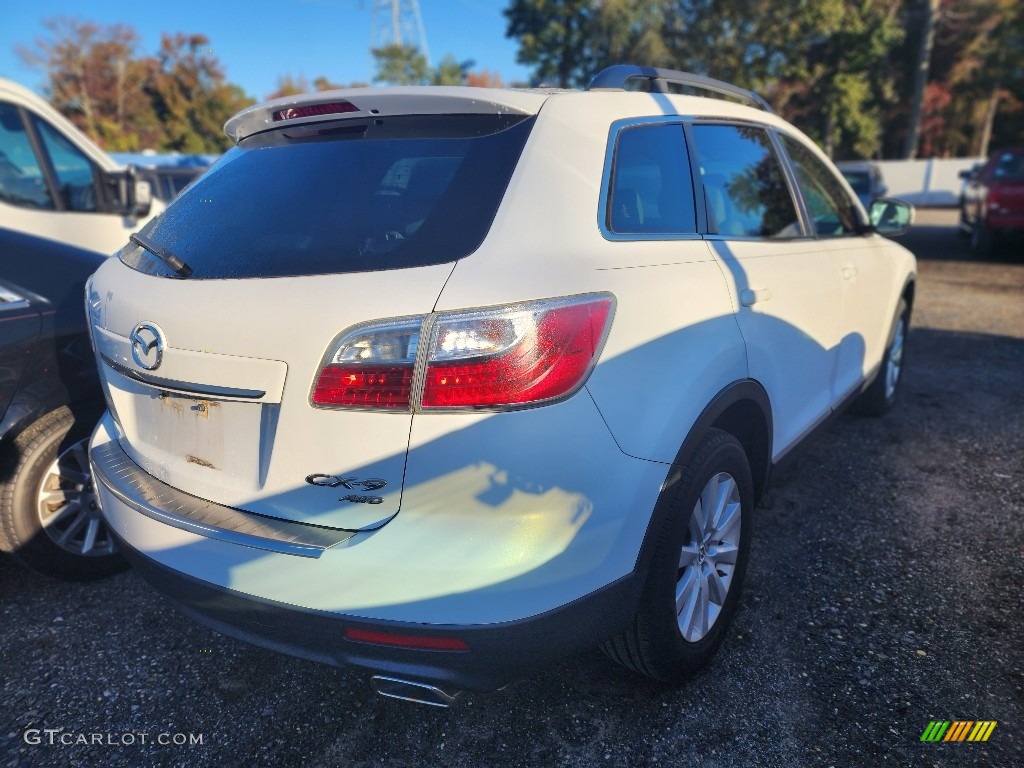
(992, 203)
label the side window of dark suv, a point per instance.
(745, 189)
(651, 189)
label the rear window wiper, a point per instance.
(168, 258)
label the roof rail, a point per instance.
(616, 77)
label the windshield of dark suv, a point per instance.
(1010, 166)
(342, 196)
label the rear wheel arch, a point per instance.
(749, 421)
(743, 410)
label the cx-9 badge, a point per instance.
(351, 484)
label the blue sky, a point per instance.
(256, 41)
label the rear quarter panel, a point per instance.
(674, 342)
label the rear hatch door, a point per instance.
(244, 283)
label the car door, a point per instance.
(787, 291)
(867, 269)
(19, 329)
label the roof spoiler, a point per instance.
(363, 103)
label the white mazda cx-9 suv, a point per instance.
(450, 383)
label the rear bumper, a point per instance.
(1005, 220)
(1006, 224)
(525, 566)
(496, 655)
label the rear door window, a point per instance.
(651, 189)
(745, 189)
(344, 196)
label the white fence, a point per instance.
(934, 183)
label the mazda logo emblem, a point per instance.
(147, 342)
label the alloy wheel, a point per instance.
(707, 560)
(895, 362)
(68, 509)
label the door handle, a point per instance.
(749, 297)
(849, 272)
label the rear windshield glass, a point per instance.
(346, 196)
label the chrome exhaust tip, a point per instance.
(408, 690)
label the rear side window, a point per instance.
(344, 196)
(745, 190)
(651, 190)
(831, 210)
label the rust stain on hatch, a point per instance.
(170, 401)
(203, 407)
(201, 462)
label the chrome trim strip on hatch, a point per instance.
(159, 501)
(185, 387)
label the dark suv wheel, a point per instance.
(49, 516)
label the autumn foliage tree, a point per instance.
(190, 96)
(865, 78)
(96, 79)
(176, 100)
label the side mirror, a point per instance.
(143, 198)
(891, 217)
(138, 197)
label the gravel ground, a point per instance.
(884, 591)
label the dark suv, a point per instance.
(50, 400)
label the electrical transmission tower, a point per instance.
(398, 22)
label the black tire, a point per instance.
(983, 241)
(879, 398)
(963, 229)
(26, 466)
(655, 645)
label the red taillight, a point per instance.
(550, 360)
(501, 357)
(406, 641)
(362, 386)
(311, 110)
(370, 366)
